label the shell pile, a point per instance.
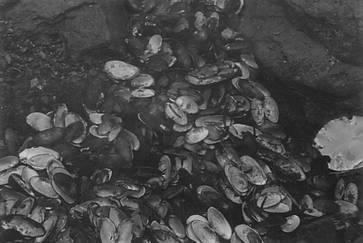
(182, 144)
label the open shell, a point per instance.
(39, 121)
(247, 235)
(219, 223)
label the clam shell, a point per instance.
(237, 179)
(71, 118)
(39, 121)
(23, 207)
(4, 175)
(257, 111)
(245, 72)
(269, 200)
(8, 162)
(247, 235)
(351, 193)
(27, 173)
(271, 109)
(182, 128)
(213, 120)
(16, 181)
(24, 225)
(142, 80)
(279, 208)
(143, 93)
(38, 157)
(154, 44)
(292, 222)
(238, 130)
(173, 112)
(43, 186)
(95, 117)
(107, 231)
(64, 186)
(219, 223)
(253, 170)
(187, 104)
(249, 59)
(204, 232)
(60, 115)
(196, 135)
(190, 234)
(120, 70)
(339, 189)
(235, 239)
(177, 226)
(347, 208)
(93, 130)
(48, 225)
(132, 138)
(195, 217)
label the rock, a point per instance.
(84, 23)
(95, 25)
(27, 15)
(338, 25)
(329, 86)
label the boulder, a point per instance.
(326, 86)
(338, 25)
(84, 23)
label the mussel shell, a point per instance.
(269, 199)
(59, 115)
(247, 235)
(292, 222)
(154, 44)
(24, 225)
(173, 112)
(219, 223)
(237, 179)
(93, 130)
(195, 217)
(204, 232)
(38, 157)
(64, 186)
(249, 59)
(8, 162)
(120, 70)
(95, 117)
(39, 121)
(196, 135)
(43, 186)
(250, 89)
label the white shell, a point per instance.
(39, 121)
(121, 70)
(342, 140)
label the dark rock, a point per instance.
(95, 25)
(338, 25)
(84, 23)
(27, 15)
(325, 86)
